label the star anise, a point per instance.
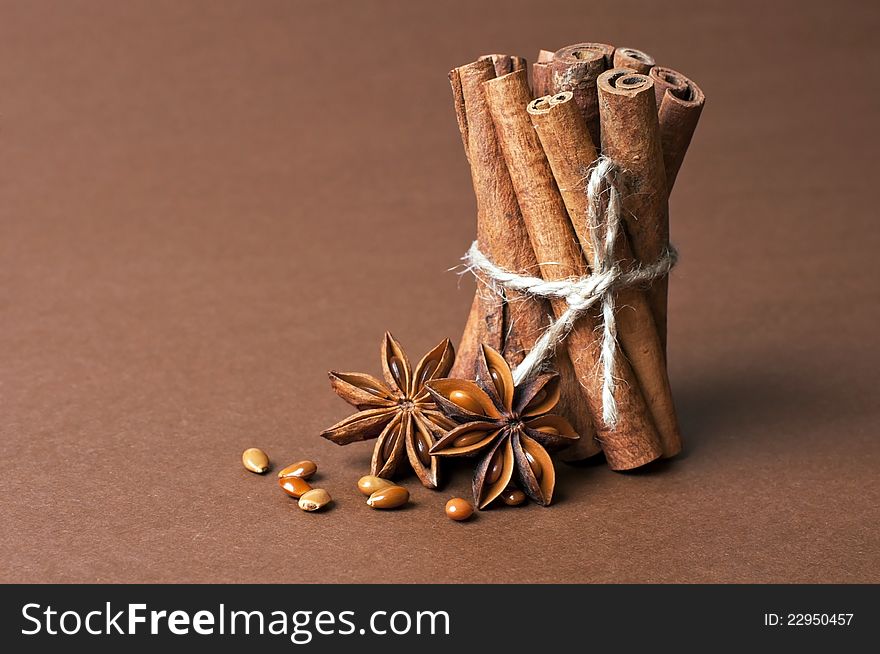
(509, 425)
(400, 412)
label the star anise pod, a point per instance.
(509, 425)
(400, 412)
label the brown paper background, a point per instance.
(206, 206)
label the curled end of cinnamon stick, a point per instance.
(624, 81)
(542, 105)
(584, 52)
(639, 61)
(679, 105)
(539, 105)
(458, 103)
(544, 56)
(575, 68)
(541, 73)
(681, 88)
(505, 64)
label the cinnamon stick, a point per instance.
(485, 322)
(636, 60)
(485, 319)
(506, 242)
(680, 103)
(576, 68)
(634, 441)
(541, 73)
(505, 64)
(570, 152)
(631, 138)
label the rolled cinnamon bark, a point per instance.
(680, 103)
(541, 73)
(503, 238)
(576, 68)
(639, 61)
(570, 152)
(631, 138)
(486, 317)
(666, 78)
(634, 441)
(505, 64)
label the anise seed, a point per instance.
(540, 396)
(459, 509)
(422, 447)
(369, 484)
(294, 486)
(301, 469)
(466, 402)
(255, 460)
(396, 366)
(496, 467)
(428, 370)
(388, 447)
(497, 381)
(513, 497)
(535, 465)
(388, 498)
(314, 500)
(468, 438)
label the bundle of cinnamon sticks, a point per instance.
(530, 148)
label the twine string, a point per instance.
(581, 294)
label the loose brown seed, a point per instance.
(301, 469)
(314, 500)
(389, 498)
(255, 460)
(294, 486)
(513, 497)
(370, 484)
(459, 509)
